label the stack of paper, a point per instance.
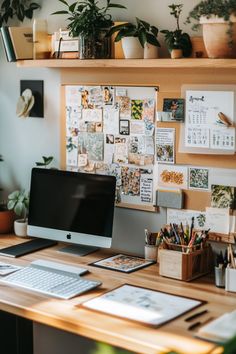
(221, 329)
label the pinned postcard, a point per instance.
(121, 150)
(73, 115)
(92, 115)
(137, 127)
(137, 109)
(148, 109)
(130, 181)
(198, 178)
(173, 176)
(95, 145)
(165, 117)
(95, 98)
(124, 127)
(165, 145)
(218, 220)
(223, 196)
(111, 120)
(124, 104)
(73, 95)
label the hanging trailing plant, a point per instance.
(19, 9)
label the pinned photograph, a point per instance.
(109, 139)
(165, 145)
(148, 109)
(198, 178)
(108, 95)
(124, 127)
(175, 106)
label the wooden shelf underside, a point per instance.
(131, 63)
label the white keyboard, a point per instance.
(59, 280)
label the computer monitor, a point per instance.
(71, 207)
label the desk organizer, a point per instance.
(184, 262)
(230, 279)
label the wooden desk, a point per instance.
(69, 316)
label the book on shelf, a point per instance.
(7, 43)
(22, 41)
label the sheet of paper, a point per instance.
(148, 109)
(165, 145)
(185, 216)
(92, 115)
(72, 151)
(218, 220)
(137, 127)
(130, 181)
(203, 126)
(6, 268)
(175, 176)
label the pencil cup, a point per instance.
(220, 277)
(150, 252)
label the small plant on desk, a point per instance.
(46, 161)
(19, 202)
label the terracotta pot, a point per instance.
(6, 221)
(132, 48)
(176, 53)
(150, 51)
(216, 38)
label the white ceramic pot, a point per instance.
(132, 48)
(216, 37)
(150, 252)
(20, 227)
(150, 51)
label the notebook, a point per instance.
(220, 330)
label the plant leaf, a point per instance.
(62, 12)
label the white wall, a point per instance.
(22, 142)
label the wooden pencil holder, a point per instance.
(184, 262)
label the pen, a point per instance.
(192, 317)
(196, 324)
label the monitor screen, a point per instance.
(72, 207)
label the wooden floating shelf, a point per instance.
(130, 63)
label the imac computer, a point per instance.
(72, 207)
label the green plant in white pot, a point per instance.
(218, 19)
(19, 202)
(137, 39)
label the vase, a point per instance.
(132, 48)
(150, 51)
(150, 252)
(95, 47)
(216, 37)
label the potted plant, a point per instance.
(178, 43)
(20, 9)
(46, 161)
(19, 202)
(6, 216)
(91, 24)
(218, 19)
(137, 39)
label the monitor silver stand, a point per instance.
(79, 250)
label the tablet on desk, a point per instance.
(143, 305)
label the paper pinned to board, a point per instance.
(218, 220)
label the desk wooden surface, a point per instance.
(70, 316)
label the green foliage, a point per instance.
(46, 161)
(220, 8)
(19, 9)
(177, 39)
(19, 202)
(87, 18)
(142, 30)
(2, 204)
(102, 348)
(230, 346)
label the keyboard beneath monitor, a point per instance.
(52, 281)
